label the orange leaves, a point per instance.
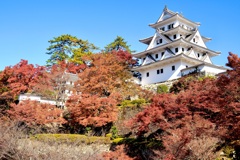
(92, 110)
(107, 73)
(200, 109)
(21, 77)
(33, 112)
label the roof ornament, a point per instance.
(165, 8)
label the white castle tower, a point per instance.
(176, 49)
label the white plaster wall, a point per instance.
(179, 50)
(200, 41)
(48, 102)
(185, 26)
(177, 37)
(167, 74)
(207, 69)
(165, 17)
(210, 70)
(192, 54)
(153, 43)
(29, 97)
(208, 60)
(167, 55)
(176, 23)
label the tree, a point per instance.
(20, 78)
(35, 113)
(214, 103)
(67, 47)
(118, 44)
(106, 74)
(92, 110)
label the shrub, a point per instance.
(138, 102)
(117, 140)
(109, 135)
(70, 138)
(162, 88)
(114, 132)
(133, 103)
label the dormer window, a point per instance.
(170, 26)
(162, 28)
(159, 41)
(174, 36)
(176, 50)
(162, 54)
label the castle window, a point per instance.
(144, 58)
(173, 68)
(176, 50)
(156, 56)
(170, 26)
(193, 39)
(198, 55)
(162, 70)
(183, 49)
(162, 28)
(162, 54)
(186, 66)
(174, 36)
(159, 41)
(147, 74)
(158, 71)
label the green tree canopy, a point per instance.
(118, 44)
(67, 47)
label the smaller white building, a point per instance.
(65, 87)
(32, 97)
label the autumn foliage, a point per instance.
(108, 73)
(35, 113)
(105, 75)
(92, 110)
(194, 120)
(207, 108)
(20, 77)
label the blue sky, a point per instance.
(27, 25)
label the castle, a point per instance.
(176, 49)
